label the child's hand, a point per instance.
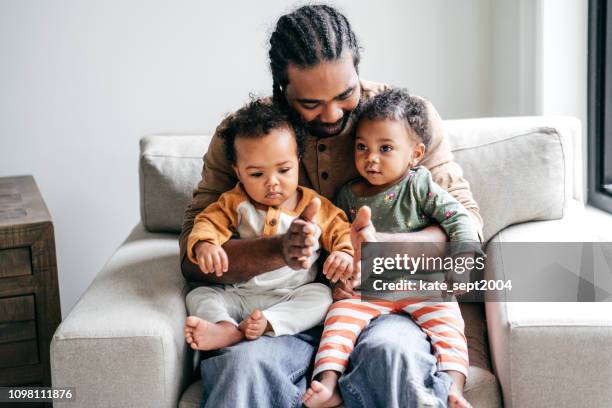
(338, 266)
(343, 290)
(211, 258)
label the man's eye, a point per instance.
(361, 147)
(258, 174)
(386, 148)
(346, 95)
(310, 106)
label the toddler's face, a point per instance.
(385, 150)
(268, 166)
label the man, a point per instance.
(314, 58)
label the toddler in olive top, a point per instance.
(391, 138)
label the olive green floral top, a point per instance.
(411, 205)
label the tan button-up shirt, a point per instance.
(328, 163)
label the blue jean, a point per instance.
(391, 366)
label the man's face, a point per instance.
(267, 166)
(324, 95)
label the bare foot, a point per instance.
(325, 393)
(203, 335)
(255, 325)
(456, 400)
(455, 394)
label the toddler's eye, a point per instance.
(258, 174)
(386, 148)
(361, 147)
(284, 170)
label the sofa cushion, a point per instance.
(520, 169)
(170, 167)
(515, 177)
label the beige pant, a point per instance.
(299, 310)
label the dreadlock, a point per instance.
(305, 37)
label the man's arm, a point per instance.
(445, 171)
(246, 258)
(433, 233)
(422, 240)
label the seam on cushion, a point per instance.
(510, 328)
(564, 173)
(164, 379)
(564, 325)
(144, 195)
(544, 129)
(105, 337)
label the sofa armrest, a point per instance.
(122, 344)
(550, 354)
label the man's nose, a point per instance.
(331, 114)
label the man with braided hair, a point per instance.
(314, 58)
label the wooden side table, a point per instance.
(29, 296)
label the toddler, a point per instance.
(391, 138)
(264, 151)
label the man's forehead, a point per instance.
(324, 81)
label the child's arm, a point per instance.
(453, 217)
(212, 228)
(435, 202)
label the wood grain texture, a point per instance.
(15, 262)
(29, 294)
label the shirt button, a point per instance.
(272, 222)
(324, 175)
(322, 147)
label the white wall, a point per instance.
(540, 59)
(82, 81)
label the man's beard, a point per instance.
(314, 126)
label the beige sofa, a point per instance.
(122, 343)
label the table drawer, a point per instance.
(15, 262)
(18, 338)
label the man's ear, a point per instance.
(417, 154)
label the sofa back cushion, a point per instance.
(170, 167)
(520, 169)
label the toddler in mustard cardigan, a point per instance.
(264, 150)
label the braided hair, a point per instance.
(305, 37)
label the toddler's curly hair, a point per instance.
(398, 104)
(255, 120)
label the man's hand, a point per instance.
(362, 230)
(211, 258)
(338, 266)
(299, 240)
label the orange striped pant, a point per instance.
(345, 320)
